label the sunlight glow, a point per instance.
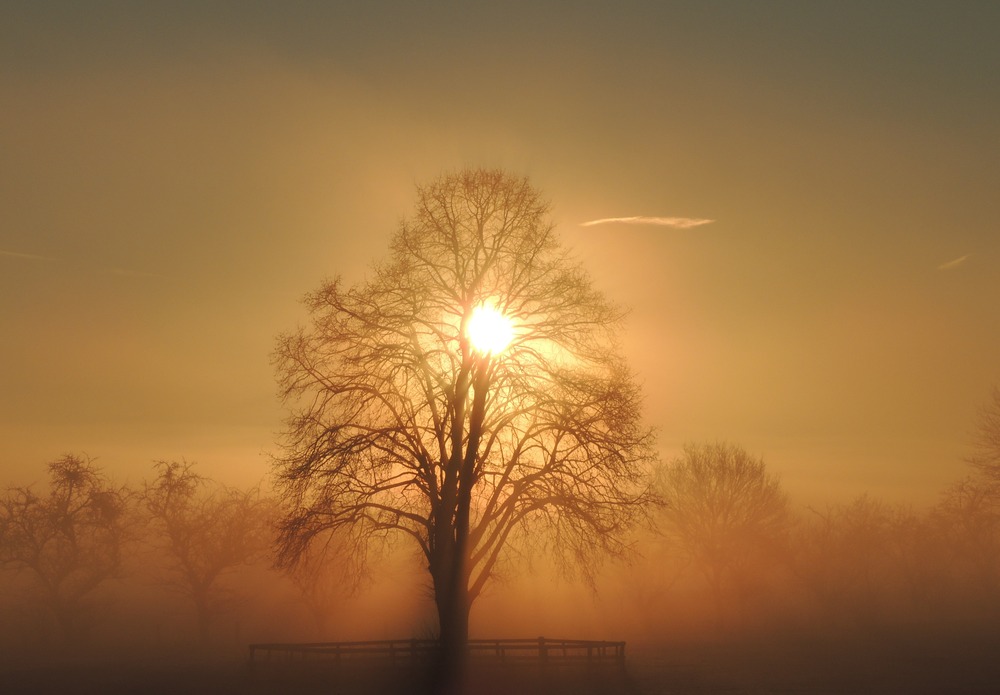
(489, 330)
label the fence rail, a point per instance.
(541, 650)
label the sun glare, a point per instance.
(489, 330)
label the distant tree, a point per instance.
(325, 574)
(69, 539)
(986, 453)
(204, 531)
(969, 512)
(722, 511)
(918, 550)
(404, 427)
(844, 557)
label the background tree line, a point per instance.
(733, 553)
(405, 428)
(181, 559)
(177, 560)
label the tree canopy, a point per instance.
(721, 508)
(205, 531)
(400, 427)
(986, 442)
(70, 538)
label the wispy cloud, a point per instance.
(951, 265)
(673, 222)
(121, 272)
(28, 256)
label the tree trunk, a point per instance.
(204, 612)
(450, 559)
(68, 624)
(453, 618)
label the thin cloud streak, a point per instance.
(672, 222)
(120, 272)
(951, 265)
(28, 256)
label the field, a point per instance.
(900, 663)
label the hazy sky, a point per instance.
(175, 176)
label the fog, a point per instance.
(177, 175)
(859, 574)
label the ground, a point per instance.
(884, 664)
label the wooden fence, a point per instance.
(540, 650)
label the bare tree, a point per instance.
(845, 557)
(325, 574)
(722, 510)
(402, 427)
(204, 530)
(986, 454)
(969, 513)
(918, 551)
(70, 539)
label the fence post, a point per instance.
(543, 652)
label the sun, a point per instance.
(489, 330)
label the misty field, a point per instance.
(903, 662)
(860, 596)
(362, 348)
(889, 663)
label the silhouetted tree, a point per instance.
(986, 442)
(844, 557)
(69, 539)
(722, 510)
(325, 573)
(918, 551)
(969, 512)
(323, 577)
(402, 428)
(204, 530)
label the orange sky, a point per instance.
(174, 180)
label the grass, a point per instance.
(809, 664)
